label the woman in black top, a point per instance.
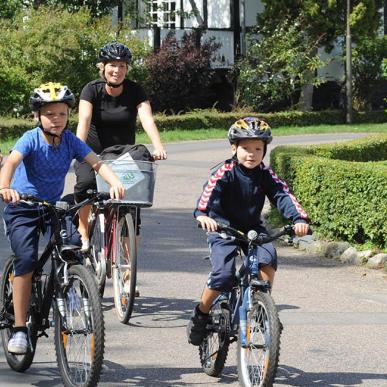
(108, 108)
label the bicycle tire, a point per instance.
(19, 363)
(124, 269)
(213, 350)
(80, 332)
(98, 261)
(258, 361)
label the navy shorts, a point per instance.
(222, 256)
(24, 223)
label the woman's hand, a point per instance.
(160, 154)
(9, 195)
(117, 191)
(301, 229)
(207, 223)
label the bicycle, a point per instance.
(70, 292)
(111, 228)
(247, 315)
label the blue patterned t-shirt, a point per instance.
(44, 167)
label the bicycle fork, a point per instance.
(243, 309)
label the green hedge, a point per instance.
(206, 119)
(344, 199)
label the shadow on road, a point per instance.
(291, 376)
(158, 376)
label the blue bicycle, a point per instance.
(247, 315)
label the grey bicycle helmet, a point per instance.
(250, 128)
(50, 93)
(115, 51)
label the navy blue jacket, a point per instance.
(235, 195)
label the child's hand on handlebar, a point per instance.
(9, 195)
(207, 223)
(117, 191)
(301, 229)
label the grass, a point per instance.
(216, 133)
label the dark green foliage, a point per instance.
(180, 73)
(64, 50)
(344, 199)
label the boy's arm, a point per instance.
(280, 195)
(117, 190)
(6, 175)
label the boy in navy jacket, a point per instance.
(235, 195)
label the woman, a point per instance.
(108, 108)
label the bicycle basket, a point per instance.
(138, 178)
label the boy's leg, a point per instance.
(22, 224)
(221, 278)
(207, 299)
(21, 297)
(267, 273)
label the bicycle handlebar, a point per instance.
(253, 237)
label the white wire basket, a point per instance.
(138, 178)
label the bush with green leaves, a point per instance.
(368, 61)
(343, 187)
(180, 73)
(65, 49)
(276, 67)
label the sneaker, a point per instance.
(126, 279)
(196, 328)
(18, 343)
(85, 245)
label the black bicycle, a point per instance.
(66, 298)
(247, 315)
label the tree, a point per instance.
(322, 22)
(180, 73)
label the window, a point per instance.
(163, 13)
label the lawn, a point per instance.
(216, 133)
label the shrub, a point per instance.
(345, 199)
(180, 73)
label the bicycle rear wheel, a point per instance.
(258, 361)
(125, 268)
(214, 348)
(79, 330)
(19, 363)
(98, 261)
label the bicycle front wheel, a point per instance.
(125, 268)
(79, 330)
(19, 363)
(258, 360)
(98, 260)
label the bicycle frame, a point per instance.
(108, 216)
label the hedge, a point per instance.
(206, 119)
(343, 187)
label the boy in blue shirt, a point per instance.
(38, 165)
(235, 195)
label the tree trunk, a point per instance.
(306, 98)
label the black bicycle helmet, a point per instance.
(249, 128)
(115, 51)
(50, 93)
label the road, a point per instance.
(334, 315)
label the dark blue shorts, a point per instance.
(24, 223)
(222, 256)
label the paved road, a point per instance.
(335, 316)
